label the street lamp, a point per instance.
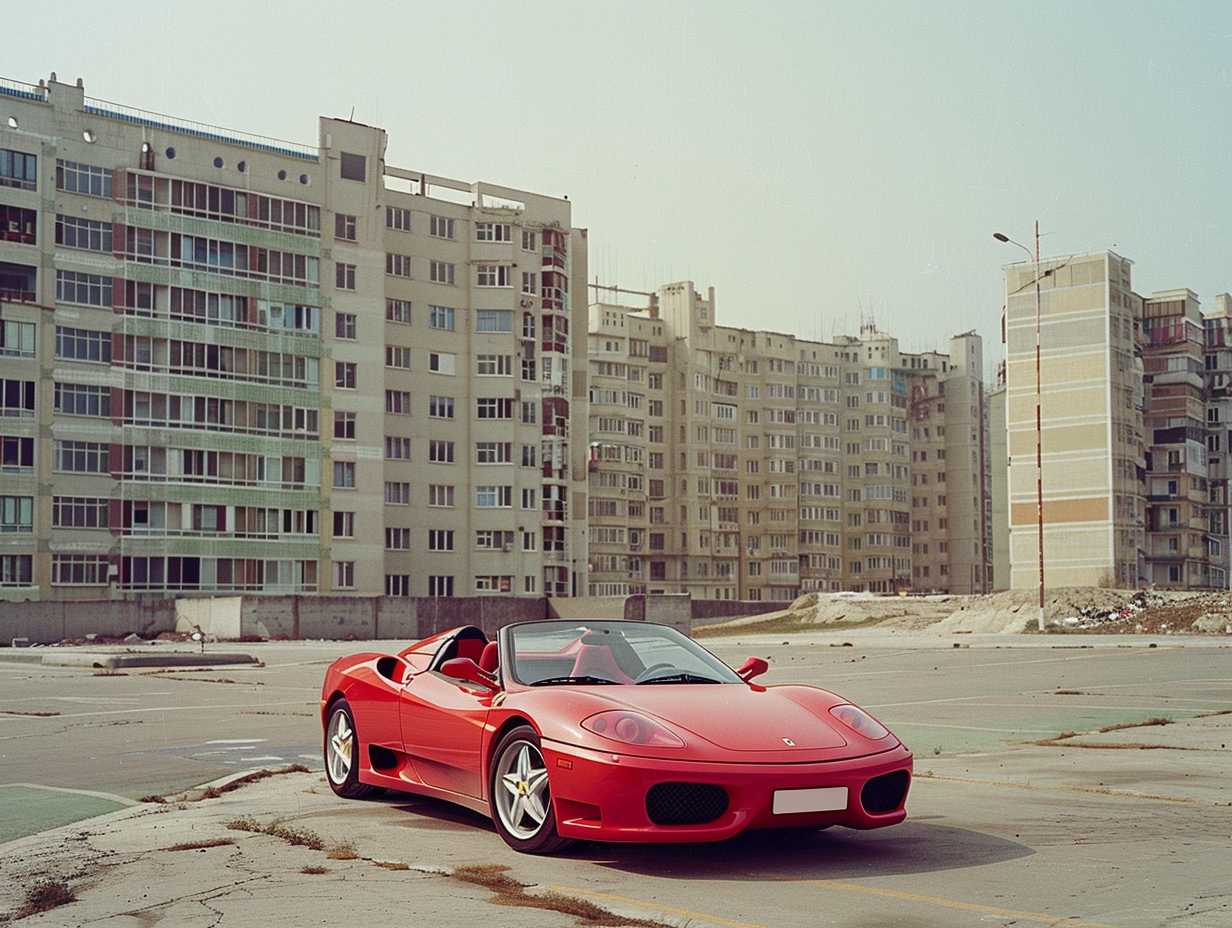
(1039, 432)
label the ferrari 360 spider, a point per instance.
(605, 731)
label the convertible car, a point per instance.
(605, 731)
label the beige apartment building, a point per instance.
(236, 364)
(737, 464)
(1090, 423)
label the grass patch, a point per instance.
(1159, 720)
(343, 850)
(213, 792)
(510, 892)
(202, 845)
(301, 837)
(45, 896)
(392, 865)
(315, 870)
(1068, 693)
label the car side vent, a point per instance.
(685, 803)
(885, 793)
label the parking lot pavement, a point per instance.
(1022, 811)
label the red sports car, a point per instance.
(607, 731)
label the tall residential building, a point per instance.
(1090, 423)
(232, 363)
(1218, 372)
(1177, 549)
(739, 464)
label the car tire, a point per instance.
(341, 750)
(520, 796)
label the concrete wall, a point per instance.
(50, 622)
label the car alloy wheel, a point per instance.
(342, 754)
(521, 795)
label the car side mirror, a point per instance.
(753, 667)
(463, 668)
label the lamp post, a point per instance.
(1039, 431)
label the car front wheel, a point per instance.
(342, 754)
(521, 796)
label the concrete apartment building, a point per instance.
(738, 464)
(1217, 357)
(1090, 426)
(235, 364)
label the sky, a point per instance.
(820, 164)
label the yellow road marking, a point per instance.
(1067, 921)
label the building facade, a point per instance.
(233, 364)
(738, 464)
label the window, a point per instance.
(440, 317)
(494, 408)
(440, 407)
(440, 586)
(493, 275)
(16, 514)
(397, 585)
(494, 497)
(440, 272)
(397, 448)
(73, 399)
(344, 375)
(494, 365)
(345, 227)
(440, 539)
(493, 452)
(81, 457)
(353, 167)
(530, 282)
(344, 276)
(86, 234)
(440, 362)
(345, 326)
(79, 570)
(397, 218)
(17, 339)
(86, 289)
(344, 525)
(398, 402)
(83, 178)
(493, 584)
(397, 356)
(440, 496)
(16, 454)
(493, 320)
(397, 539)
(530, 498)
(344, 475)
(398, 311)
(16, 398)
(80, 512)
(397, 494)
(343, 573)
(81, 345)
(492, 232)
(18, 169)
(529, 241)
(528, 413)
(441, 227)
(344, 425)
(528, 456)
(440, 452)
(398, 265)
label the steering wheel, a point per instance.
(649, 671)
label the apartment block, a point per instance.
(236, 364)
(1087, 387)
(738, 464)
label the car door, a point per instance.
(442, 721)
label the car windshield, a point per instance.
(604, 653)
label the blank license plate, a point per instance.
(824, 799)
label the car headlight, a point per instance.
(860, 722)
(631, 728)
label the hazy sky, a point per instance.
(816, 163)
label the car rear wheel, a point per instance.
(521, 796)
(342, 754)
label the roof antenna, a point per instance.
(352, 119)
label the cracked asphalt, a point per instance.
(1023, 811)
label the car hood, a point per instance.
(779, 723)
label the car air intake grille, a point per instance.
(685, 803)
(885, 793)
